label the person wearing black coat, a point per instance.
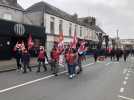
(25, 61)
(125, 54)
(95, 55)
(18, 55)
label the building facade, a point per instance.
(57, 21)
(45, 22)
(16, 26)
(127, 43)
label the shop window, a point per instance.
(60, 26)
(7, 16)
(80, 31)
(70, 29)
(36, 43)
(52, 25)
(75, 30)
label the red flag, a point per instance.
(82, 47)
(61, 41)
(30, 42)
(74, 41)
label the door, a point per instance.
(5, 48)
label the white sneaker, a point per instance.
(70, 76)
(21, 69)
(73, 75)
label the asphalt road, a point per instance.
(99, 81)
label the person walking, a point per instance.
(55, 54)
(79, 55)
(70, 58)
(118, 54)
(25, 61)
(95, 55)
(41, 58)
(125, 55)
(18, 54)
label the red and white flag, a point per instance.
(74, 41)
(82, 48)
(30, 42)
(20, 46)
(61, 41)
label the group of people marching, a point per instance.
(118, 53)
(115, 54)
(72, 57)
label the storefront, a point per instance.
(12, 32)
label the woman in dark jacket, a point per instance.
(25, 60)
(18, 55)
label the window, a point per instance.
(52, 25)
(70, 29)
(80, 31)
(7, 16)
(60, 26)
(75, 30)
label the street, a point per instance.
(103, 80)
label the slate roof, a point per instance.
(43, 6)
(13, 6)
(40, 6)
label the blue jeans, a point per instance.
(71, 69)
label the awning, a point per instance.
(14, 29)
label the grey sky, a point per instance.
(110, 14)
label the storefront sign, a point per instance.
(19, 29)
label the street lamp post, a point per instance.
(117, 32)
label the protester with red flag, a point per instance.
(81, 55)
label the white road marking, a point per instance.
(124, 71)
(88, 65)
(131, 72)
(128, 74)
(37, 80)
(125, 82)
(132, 57)
(122, 90)
(126, 98)
(126, 78)
(108, 63)
(116, 62)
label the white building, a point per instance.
(56, 21)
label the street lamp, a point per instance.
(117, 33)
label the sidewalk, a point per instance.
(9, 65)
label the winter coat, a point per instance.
(25, 58)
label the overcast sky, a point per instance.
(110, 14)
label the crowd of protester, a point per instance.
(72, 56)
